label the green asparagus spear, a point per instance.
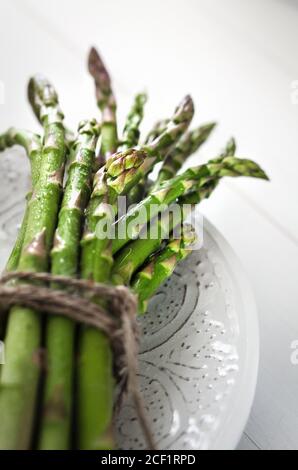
(196, 196)
(19, 375)
(135, 253)
(29, 141)
(106, 103)
(161, 266)
(137, 193)
(131, 132)
(191, 180)
(139, 190)
(36, 106)
(32, 145)
(186, 146)
(58, 399)
(158, 128)
(228, 151)
(131, 136)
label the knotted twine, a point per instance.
(119, 324)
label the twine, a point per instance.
(75, 302)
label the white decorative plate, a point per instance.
(199, 353)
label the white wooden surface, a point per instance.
(238, 59)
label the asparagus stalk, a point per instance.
(127, 261)
(186, 146)
(19, 377)
(174, 129)
(106, 103)
(29, 141)
(131, 136)
(32, 145)
(69, 135)
(229, 150)
(196, 196)
(137, 192)
(131, 132)
(140, 189)
(161, 266)
(190, 181)
(155, 134)
(158, 128)
(58, 399)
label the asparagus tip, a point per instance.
(96, 66)
(41, 92)
(142, 98)
(185, 110)
(231, 146)
(211, 126)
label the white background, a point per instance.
(238, 59)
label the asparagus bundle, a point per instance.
(67, 230)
